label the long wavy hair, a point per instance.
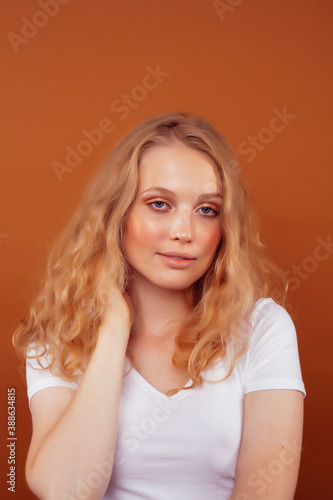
(88, 259)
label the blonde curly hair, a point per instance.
(87, 260)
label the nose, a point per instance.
(181, 226)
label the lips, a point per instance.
(178, 255)
(177, 260)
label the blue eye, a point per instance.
(158, 204)
(162, 206)
(208, 211)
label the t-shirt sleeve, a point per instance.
(272, 359)
(38, 378)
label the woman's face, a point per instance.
(173, 228)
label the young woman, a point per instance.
(161, 363)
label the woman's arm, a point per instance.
(269, 456)
(74, 432)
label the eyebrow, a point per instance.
(167, 192)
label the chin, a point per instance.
(174, 285)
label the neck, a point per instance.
(158, 311)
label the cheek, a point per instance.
(151, 231)
(141, 231)
(211, 240)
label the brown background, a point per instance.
(235, 69)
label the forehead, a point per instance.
(177, 166)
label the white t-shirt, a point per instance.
(185, 446)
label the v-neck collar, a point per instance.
(144, 384)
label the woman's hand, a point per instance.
(119, 313)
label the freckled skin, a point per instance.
(177, 221)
